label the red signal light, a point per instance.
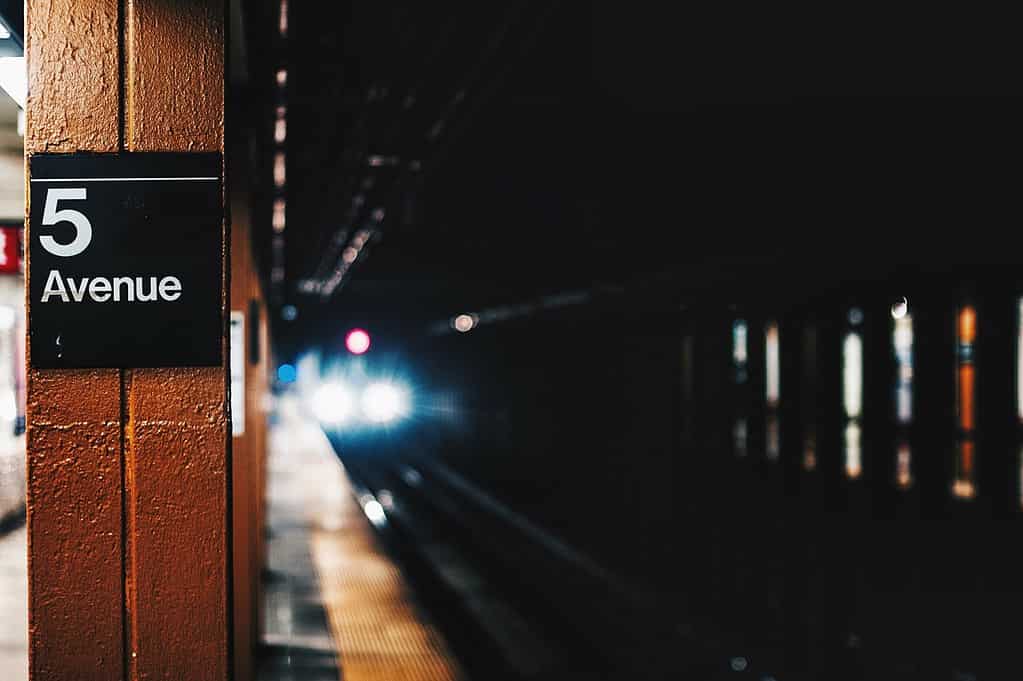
(357, 341)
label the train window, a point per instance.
(852, 375)
(809, 402)
(964, 486)
(773, 368)
(740, 375)
(740, 436)
(852, 395)
(739, 350)
(1019, 393)
(902, 343)
(772, 389)
(1019, 361)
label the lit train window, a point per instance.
(902, 340)
(851, 437)
(852, 375)
(1019, 391)
(809, 403)
(773, 365)
(739, 350)
(852, 395)
(1019, 361)
(964, 486)
(902, 343)
(740, 375)
(772, 390)
(903, 464)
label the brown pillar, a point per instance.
(248, 443)
(129, 470)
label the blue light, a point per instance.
(286, 373)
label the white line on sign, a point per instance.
(124, 179)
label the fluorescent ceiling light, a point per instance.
(14, 79)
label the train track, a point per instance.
(516, 602)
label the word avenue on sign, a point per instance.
(102, 289)
(125, 260)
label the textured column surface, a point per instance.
(176, 435)
(129, 470)
(75, 500)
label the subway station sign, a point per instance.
(125, 260)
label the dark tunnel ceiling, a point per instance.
(565, 155)
(518, 172)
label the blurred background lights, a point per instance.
(289, 313)
(286, 373)
(357, 341)
(384, 402)
(464, 322)
(900, 307)
(374, 510)
(331, 403)
(738, 664)
(14, 79)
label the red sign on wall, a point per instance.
(11, 250)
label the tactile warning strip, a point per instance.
(379, 632)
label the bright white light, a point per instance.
(773, 365)
(375, 512)
(900, 308)
(332, 404)
(14, 79)
(464, 322)
(852, 375)
(384, 402)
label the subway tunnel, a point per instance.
(389, 341)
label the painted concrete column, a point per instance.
(129, 470)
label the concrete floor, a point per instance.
(303, 494)
(13, 606)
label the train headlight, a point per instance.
(332, 404)
(384, 402)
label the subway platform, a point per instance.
(335, 605)
(13, 605)
(13, 563)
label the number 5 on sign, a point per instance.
(52, 216)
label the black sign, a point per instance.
(125, 260)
